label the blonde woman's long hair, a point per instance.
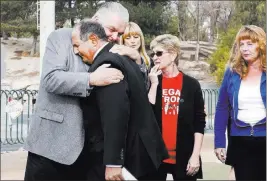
(133, 29)
(255, 34)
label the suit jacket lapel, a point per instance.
(86, 67)
(105, 49)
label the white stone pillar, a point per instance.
(47, 25)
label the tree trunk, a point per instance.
(18, 35)
(72, 22)
(4, 34)
(153, 4)
(34, 43)
(212, 28)
(136, 2)
(197, 47)
(178, 19)
(181, 15)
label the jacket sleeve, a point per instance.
(56, 77)
(114, 107)
(199, 114)
(222, 113)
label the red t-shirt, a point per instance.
(171, 92)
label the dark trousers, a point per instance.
(96, 169)
(162, 172)
(41, 168)
(248, 172)
(249, 157)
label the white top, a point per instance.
(250, 105)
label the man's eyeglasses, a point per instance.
(158, 54)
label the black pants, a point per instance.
(41, 168)
(162, 172)
(249, 157)
(96, 169)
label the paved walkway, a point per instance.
(13, 163)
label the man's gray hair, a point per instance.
(112, 7)
(87, 27)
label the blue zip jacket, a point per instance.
(227, 105)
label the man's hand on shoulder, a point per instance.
(103, 76)
(127, 51)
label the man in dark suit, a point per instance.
(121, 126)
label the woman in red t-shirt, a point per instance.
(179, 108)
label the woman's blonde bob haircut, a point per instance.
(256, 35)
(168, 42)
(131, 30)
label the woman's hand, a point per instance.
(153, 75)
(193, 165)
(221, 154)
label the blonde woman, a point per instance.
(242, 97)
(133, 37)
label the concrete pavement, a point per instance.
(13, 163)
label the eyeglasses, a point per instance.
(158, 54)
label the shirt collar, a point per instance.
(97, 52)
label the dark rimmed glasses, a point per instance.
(157, 53)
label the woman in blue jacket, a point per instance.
(242, 97)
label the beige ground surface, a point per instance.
(23, 70)
(13, 163)
(20, 70)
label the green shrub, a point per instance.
(220, 57)
(148, 39)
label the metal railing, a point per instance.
(210, 97)
(14, 131)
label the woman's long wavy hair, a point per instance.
(133, 29)
(255, 34)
